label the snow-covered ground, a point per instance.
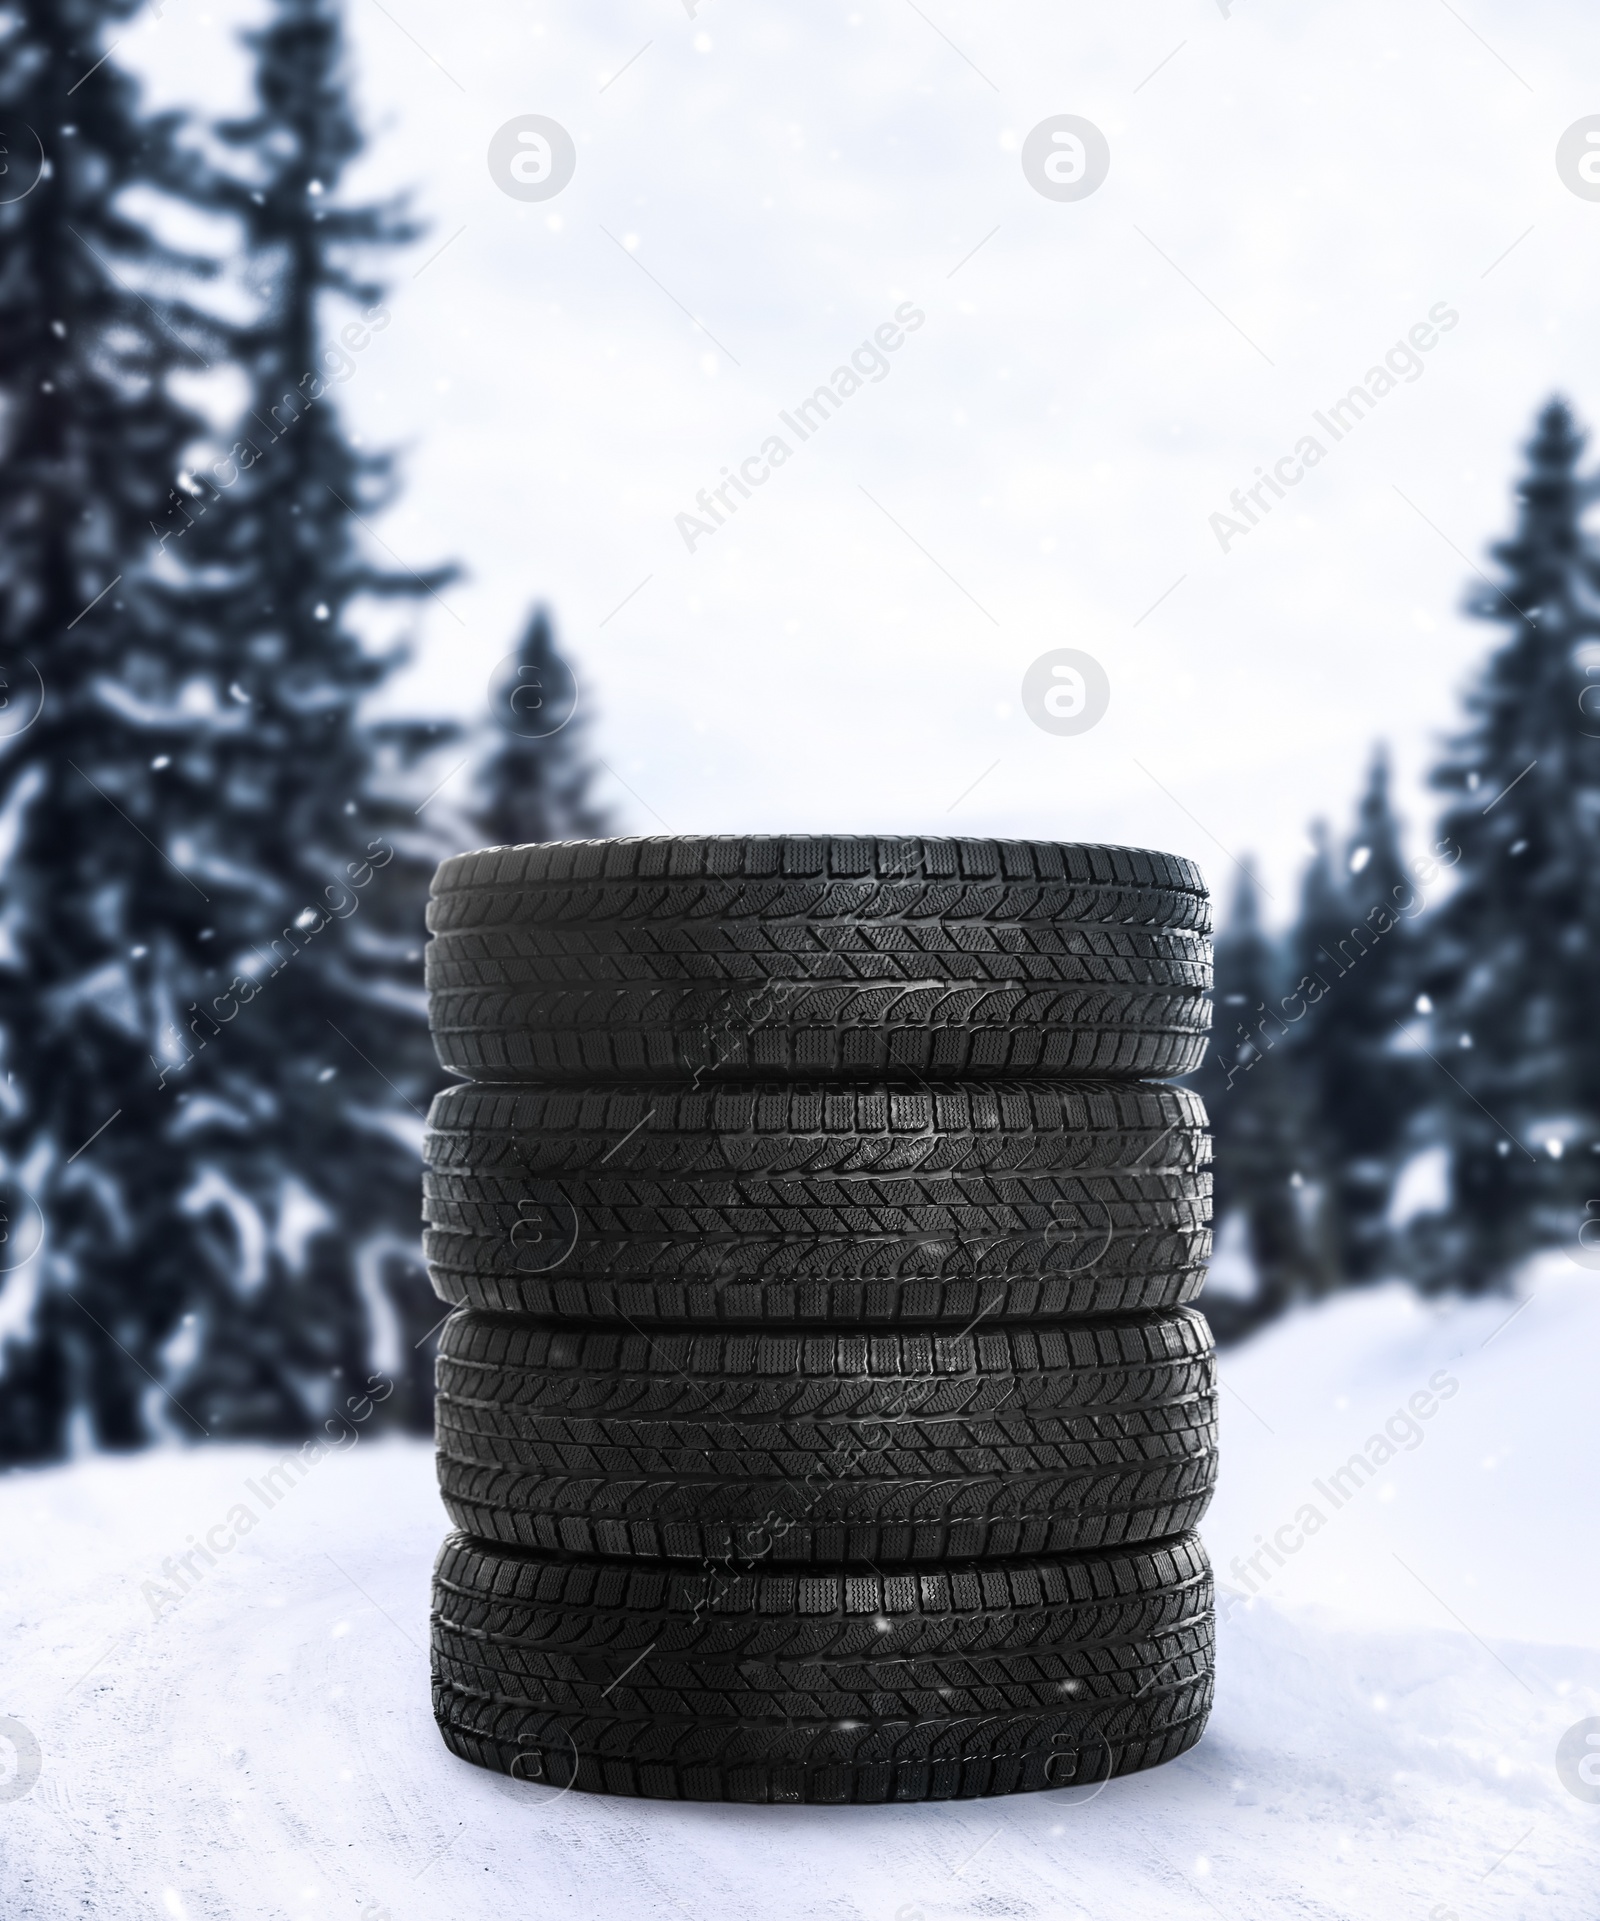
(1383, 1745)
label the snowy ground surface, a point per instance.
(1383, 1745)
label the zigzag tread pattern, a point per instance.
(828, 1614)
(972, 1761)
(1110, 1362)
(747, 1407)
(590, 957)
(938, 1033)
(790, 1300)
(727, 1210)
(782, 907)
(790, 876)
(799, 943)
(729, 1125)
(828, 1007)
(506, 1158)
(894, 1437)
(554, 1244)
(835, 1522)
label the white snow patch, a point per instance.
(1232, 1274)
(210, 1189)
(1502, 1547)
(382, 1318)
(1379, 1747)
(300, 1215)
(1423, 1186)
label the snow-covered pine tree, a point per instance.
(1513, 955)
(1352, 959)
(104, 907)
(1322, 921)
(535, 783)
(1377, 1101)
(305, 1074)
(1256, 1124)
(1324, 915)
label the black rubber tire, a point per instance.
(1151, 1274)
(778, 958)
(601, 1217)
(821, 1448)
(803, 1204)
(732, 1167)
(769, 883)
(608, 953)
(915, 1031)
(798, 1131)
(827, 1687)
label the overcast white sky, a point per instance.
(1289, 194)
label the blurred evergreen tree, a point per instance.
(104, 901)
(1512, 959)
(1352, 959)
(535, 784)
(1257, 1125)
(210, 983)
(303, 1115)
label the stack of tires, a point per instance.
(821, 1414)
